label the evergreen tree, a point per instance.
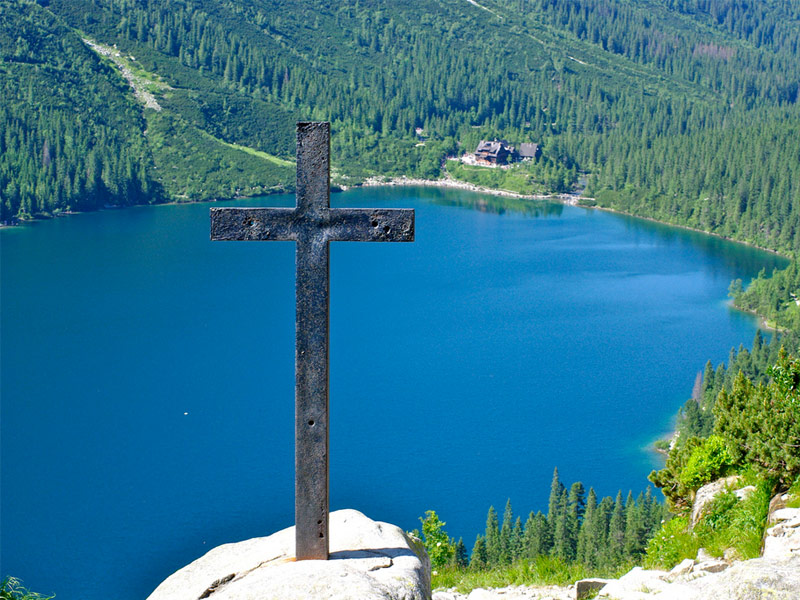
(562, 546)
(634, 526)
(600, 530)
(479, 558)
(536, 540)
(616, 532)
(460, 558)
(556, 491)
(506, 532)
(576, 506)
(492, 537)
(708, 378)
(516, 540)
(588, 548)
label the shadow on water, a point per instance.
(742, 260)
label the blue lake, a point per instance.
(148, 374)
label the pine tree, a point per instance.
(556, 490)
(479, 558)
(506, 534)
(492, 537)
(536, 537)
(516, 540)
(600, 529)
(460, 558)
(708, 379)
(575, 508)
(587, 549)
(616, 531)
(634, 526)
(561, 536)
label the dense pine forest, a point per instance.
(579, 531)
(686, 111)
(578, 527)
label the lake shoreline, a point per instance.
(404, 181)
(762, 321)
(688, 228)
(568, 199)
(380, 181)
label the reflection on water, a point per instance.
(501, 204)
(745, 259)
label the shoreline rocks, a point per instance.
(463, 185)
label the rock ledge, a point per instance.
(369, 560)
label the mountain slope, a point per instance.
(685, 110)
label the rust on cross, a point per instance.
(312, 224)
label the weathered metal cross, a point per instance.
(312, 224)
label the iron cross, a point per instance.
(312, 223)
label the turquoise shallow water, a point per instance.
(147, 373)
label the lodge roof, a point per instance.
(528, 150)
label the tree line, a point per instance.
(579, 527)
(774, 297)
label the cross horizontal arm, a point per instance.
(253, 224)
(332, 224)
(371, 225)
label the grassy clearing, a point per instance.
(516, 179)
(544, 570)
(273, 159)
(193, 165)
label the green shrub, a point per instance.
(707, 462)
(669, 479)
(729, 524)
(719, 513)
(761, 424)
(437, 543)
(794, 494)
(671, 545)
(11, 589)
(736, 524)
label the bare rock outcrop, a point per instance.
(706, 494)
(369, 560)
(782, 540)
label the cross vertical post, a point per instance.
(311, 350)
(312, 224)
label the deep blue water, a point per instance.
(147, 374)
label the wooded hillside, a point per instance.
(683, 110)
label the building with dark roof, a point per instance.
(531, 151)
(495, 152)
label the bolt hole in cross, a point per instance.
(312, 224)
